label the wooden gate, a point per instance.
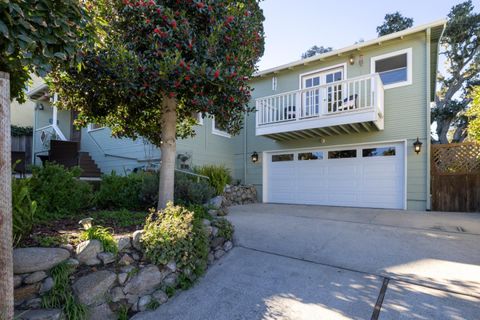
(455, 170)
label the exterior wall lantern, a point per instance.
(254, 157)
(351, 60)
(417, 146)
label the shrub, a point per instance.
(225, 228)
(200, 211)
(23, 209)
(58, 191)
(61, 296)
(175, 234)
(102, 234)
(219, 176)
(119, 191)
(188, 191)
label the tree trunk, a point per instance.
(168, 149)
(6, 259)
(443, 126)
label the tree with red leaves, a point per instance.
(161, 62)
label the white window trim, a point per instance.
(322, 70)
(409, 81)
(91, 128)
(199, 119)
(219, 132)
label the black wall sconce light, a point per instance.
(417, 146)
(254, 157)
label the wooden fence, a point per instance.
(23, 144)
(455, 170)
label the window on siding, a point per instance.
(394, 68)
(216, 129)
(378, 152)
(282, 157)
(341, 154)
(94, 126)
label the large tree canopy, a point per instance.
(313, 51)
(394, 22)
(37, 34)
(461, 48)
(159, 63)
(474, 114)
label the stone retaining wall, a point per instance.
(102, 281)
(242, 194)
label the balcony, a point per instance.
(342, 107)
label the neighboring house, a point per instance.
(335, 129)
(22, 113)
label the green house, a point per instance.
(350, 127)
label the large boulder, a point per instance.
(91, 289)
(87, 252)
(27, 260)
(216, 202)
(123, 243)
(144, 282)
(136, 239)
(101, 312)
(35, 277)
(40, 314)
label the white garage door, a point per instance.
(360, 176)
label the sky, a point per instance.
(293, 26)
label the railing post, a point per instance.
(298, 104)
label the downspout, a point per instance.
(429, 116)
(245, 158)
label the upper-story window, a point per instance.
(219, 131)
(395, 68)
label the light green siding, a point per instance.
(405, 115)
(123, 155)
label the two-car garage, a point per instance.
(351, 175)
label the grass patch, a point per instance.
(61, 296)
(102, 234)
(51, 241)
(118, 218)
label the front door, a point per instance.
(75, 133)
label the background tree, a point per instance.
(160, 63)
(461, 48)
(313, 51)
(394, 22)
(34, 37)
(474, 115)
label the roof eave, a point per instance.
(357, 46)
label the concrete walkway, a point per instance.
(310, 262)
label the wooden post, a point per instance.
(6, 259)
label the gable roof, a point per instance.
(439, 24)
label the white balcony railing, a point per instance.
(346, 97)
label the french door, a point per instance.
(329, 97)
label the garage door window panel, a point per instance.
(378, 152)
(317, 155)
(282, 157)
(342, 154)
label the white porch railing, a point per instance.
(336, 98)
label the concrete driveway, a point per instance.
(311, 262)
